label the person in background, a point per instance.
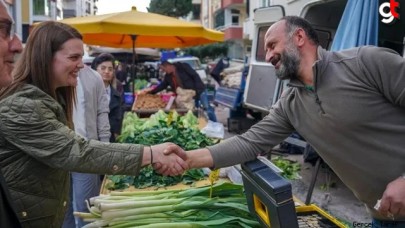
(104, 65)
(184, 76)
(120, 73)
(348, 105)
(10, 45)
(90, 118)
(38, 147)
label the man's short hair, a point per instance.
(293, 22)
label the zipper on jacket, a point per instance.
(319, 103)
(317, 100)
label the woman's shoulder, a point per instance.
(27, 100)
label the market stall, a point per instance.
(199, 198)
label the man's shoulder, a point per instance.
(367, 51)
(88, 72)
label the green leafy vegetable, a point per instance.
(159, 128)
(290, 169)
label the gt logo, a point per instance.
(390, 15)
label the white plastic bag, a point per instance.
(214, 130)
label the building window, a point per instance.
(41, 7)
(235, 16)
(260, 53)
(219, 19)
(266, 3)
(88, 8)
(59, 14)
(196, 11)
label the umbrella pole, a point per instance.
(133, 38)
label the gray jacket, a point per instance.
(37, 151)
(96, 105)
(355, 120)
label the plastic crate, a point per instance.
(129, 98)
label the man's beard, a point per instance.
(290, 61)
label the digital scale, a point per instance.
(270, 200)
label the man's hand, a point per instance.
(144, 91)
(171, 150)
(393, 199)
(169, 164)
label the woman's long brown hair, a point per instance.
(35, 64)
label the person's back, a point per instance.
(191, 80)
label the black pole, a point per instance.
(133, 38)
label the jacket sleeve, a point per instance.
(385, 71)
(198, 83)
(260, 138)
(103, 124)
(34, 129)
(163, 85)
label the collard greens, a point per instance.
(160, 128)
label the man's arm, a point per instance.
(163, 85)
(384, 70)
(258, 139)
(103, 123)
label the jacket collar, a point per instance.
(318, 68)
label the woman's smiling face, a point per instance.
(66, 63)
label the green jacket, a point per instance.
(37, 151)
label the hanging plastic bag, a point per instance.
(214, 130)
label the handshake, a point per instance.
(168, 159)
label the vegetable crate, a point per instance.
(270, 200)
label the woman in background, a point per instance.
(104, 65)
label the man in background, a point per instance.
(90, 118)
(184, 76)
(10, 45)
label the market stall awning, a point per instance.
(138, 29)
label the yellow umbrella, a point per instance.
(131, 29)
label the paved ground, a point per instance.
(337, 200)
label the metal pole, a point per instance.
(313, 180)
(133, 38)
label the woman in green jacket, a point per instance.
(38, 147)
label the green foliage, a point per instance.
(210, 51)
(171, 8)
(159, 128)
(290, 169)
(140, 84)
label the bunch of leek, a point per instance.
(172, 208)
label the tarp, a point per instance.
(358, 25)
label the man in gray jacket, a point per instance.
(91, 122)
(348, 105)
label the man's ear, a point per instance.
(300, 37)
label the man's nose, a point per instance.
(15, 44)
(80, 65)
(269, 56)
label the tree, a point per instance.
(172, 8)
(210, 51)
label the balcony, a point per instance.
(233, 33)
(232, 3)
